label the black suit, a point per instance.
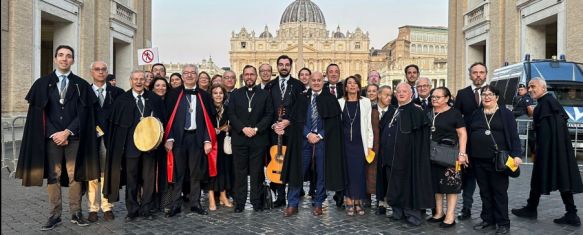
(189, 157)
(339, 89)
(425, 106)
(248, 152)
(465, 102)
(102, 112)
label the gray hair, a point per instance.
(93, 64)
(190, 66)
(384, 87)
(540, 80)
(404, 84)
(137, 71)
(423, 78)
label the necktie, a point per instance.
(383, 113)
(477, 96)
(423, 103)
(63, 86)
(333, 90)
(414, 92)
(140, 104)
(100, 96)
(282, 87)
(314, 113)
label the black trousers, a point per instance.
(493, 191)
(140, 171)
(248, 160)
(189, 162)
(568, 201)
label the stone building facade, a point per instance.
(504, 31)
(109, 30)
(319, 47)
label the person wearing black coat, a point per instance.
(125, 164)
(467, 101)
(315, 146)
(250, 113)
(105, 95)
(59, 137)
(555, 167)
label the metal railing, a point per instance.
(10, 162)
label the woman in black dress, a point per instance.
(221, 182)
(492, 126)
(447, 123)
(358, 141)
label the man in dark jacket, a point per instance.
(315, 146)
(555, 167)
(521, 102)
(60, 128)
(124, 161)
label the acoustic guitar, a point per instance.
(277, 153)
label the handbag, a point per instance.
(501, 156)
(266, 196)
(227, 148)
(443, 154)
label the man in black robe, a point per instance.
(555, 166)
(59, 137)
(405, 156)
(315, 145)
(124, 163)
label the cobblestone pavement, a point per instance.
(24, 211)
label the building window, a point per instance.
(357, 45)
(243, 45)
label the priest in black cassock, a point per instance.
(124, 163)
(315, 145)
(405, 157)
(555, 166)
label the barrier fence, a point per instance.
(16, 125)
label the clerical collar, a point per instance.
(59, 74)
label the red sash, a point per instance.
(170, 154)
(212, 155)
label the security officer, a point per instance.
(521, 101)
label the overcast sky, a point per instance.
(189, 31)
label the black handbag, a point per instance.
(443, 154)
(266, 196)
(501, 156)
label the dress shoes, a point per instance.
(317, 211)
(503, 230)
(130, 218)
(446, 225)
(381, 210)
(199, 210)
(92, 217)
(279, 203)
(289, 211)
(108, 216)
(172, 212)
(525, 212)
(569, 219)
(434, 220)
(51, 224)
(239, 209)
(484, 226)
(465, 214)
(258, 208)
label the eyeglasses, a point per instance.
(188, 73)
(436, 97)
(424, 86)
(100, 69)
(488, 95)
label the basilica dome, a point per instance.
(304, 10)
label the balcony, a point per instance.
(478, 15)
(122, 13)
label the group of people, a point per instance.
(340, 137)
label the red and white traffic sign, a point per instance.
(148, 56)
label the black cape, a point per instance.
(409, 184)
(329, 111)
(31, 166)
(121, 121)
(555, 166)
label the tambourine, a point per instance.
(148, 134)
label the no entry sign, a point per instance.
(148, 56)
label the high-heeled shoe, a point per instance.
(359, 209)
(434, 220)
(212, 207)
(446, 225)
(350, 210)
(225, 202)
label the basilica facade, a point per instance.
(303, 36)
